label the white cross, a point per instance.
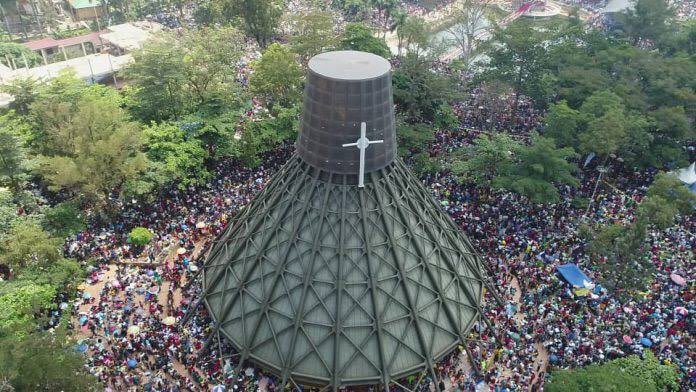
(362, 143)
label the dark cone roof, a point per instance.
(325, 283)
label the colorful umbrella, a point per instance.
(181, 251)
(681, 310)
(153, 290)
(200, 225)
(133, 330)
(80, 348)
(678, 279)
(86, 295)
(169, 320)
(627, 339)
(646, 342)
(132, 363)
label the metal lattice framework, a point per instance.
(327, 284)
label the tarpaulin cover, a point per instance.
(573, 275)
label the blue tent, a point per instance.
(573, 275)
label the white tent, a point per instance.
(687, 175)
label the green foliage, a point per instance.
(519, 57)
(537, 170)
(277, 77)
(412, 34)
(19, 303)
(624, 374)
(563, 124)
(423, 163)
(420, 93)
(91, 147)
(140, 236)
(355, 9)
(157, 82)
(179, 160)
(358, 36)
(648, 20)
(44, 361)
(446, 118)
(625, 268)
(313, 34)
(13, 159)
(18, 53)
(488, 157)
(533, 170)
(64, 219)
(666, 197)
(8, 212)
(263, 134)
(413, 137)
(70, 33)
(23, 92)
(173, 76)
(28, 245)
(260, 17)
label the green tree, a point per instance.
(313, 34)
(519, 57)
(8, 213)
(468, 19)
(28, 245)
(44, 361)
(446, 118)
(277, 77)
(265, 133)
(624, 266)
(563, 124)
(260, 18)
(649, 19)
(140, 236)
(158, 81)
(20, 56)
(13, 160)
(358, 36)
(418, 92)
(23, 92)
(487, 158)
(95, 149)
(20, 302)
(412, 34)
(665, 199)
(413, 138)
(181, 160)
(538, 168)
(609, 128)
(64, 219)
(624, 374)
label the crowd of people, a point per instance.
(128, 315)
(129, 344)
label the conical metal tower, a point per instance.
(336, 275)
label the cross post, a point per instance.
(362, 143)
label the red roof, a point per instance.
(46, 43)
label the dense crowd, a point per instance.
(130, 345)
(131, 330)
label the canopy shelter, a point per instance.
(344, 270)
(687, 175)
(574, 275)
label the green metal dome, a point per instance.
(344, 270)
(329, 284)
